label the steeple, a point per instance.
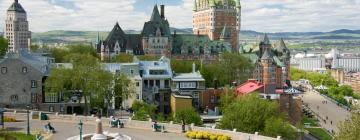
(265, 40)
(155, 14)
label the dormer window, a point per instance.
(3, 70)
(24, 70)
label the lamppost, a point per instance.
(28, 120)
(80, 126)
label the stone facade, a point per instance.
(17, 28)
(210, 17)
(22, 80)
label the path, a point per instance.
(66, 130)
(327, 111)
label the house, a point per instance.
(189, 84)
(156, 77)
(22, 79)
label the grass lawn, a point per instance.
(319, 133)
(311, 121)
(16, 135)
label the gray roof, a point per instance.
(267, 55)
(193, 76)
(16, 7)
(162, 64)
(38, 61)
(265, 40)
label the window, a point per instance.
(188, 85)
(14, 98)
(24, 69)
(33, 97)
(4, 70)
(158, 83)
(33, 84)
(167, 83)
(137, 84)
(132, 71)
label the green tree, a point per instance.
(82, 77)
(123, 58)
(183, 66)
(3, 46)
(227, 98)
(248, 114)
(277, 126)
(143, 111)
(124, 88)
(189, 115)
(228, 68)
(350, 129)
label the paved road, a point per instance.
(329, 111)
(66, 130)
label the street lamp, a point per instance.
(28, 120)
(80, 126)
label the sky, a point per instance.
(258, 15)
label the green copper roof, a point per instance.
(278, 62)
(225, 33)
(238, 4)
(200, 41)
(212, 3)
(252, 56)
(155, 14)
(195, 5)
(16, 7)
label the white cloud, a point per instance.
(259, 15)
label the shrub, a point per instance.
(9, 119)
(199, 135)
(206, 135)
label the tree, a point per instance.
(189, 115)
(3, 46)
(227, 98)
(276, 126)
(228, 68)
(350, 129)
(124, 88)
(183, 66)
(248, 114)
(143, 111)
(123, 58)
(61, 54)
(82, 77)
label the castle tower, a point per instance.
(269, 72)
(17, 28)
(210, 17)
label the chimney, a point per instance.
(193, 68)
(162, 8)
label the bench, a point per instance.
(158, 128)
(116, 123)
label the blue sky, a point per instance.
(259, 15)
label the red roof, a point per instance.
(250, 86)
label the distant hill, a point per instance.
(90, 36)
(337, 34)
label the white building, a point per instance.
(17, 28)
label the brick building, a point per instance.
(219, 20)
(272, 65)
